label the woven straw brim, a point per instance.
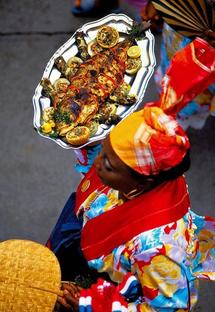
(30, 277)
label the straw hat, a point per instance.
(30, 277)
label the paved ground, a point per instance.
(36, 175)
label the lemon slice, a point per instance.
(93, 127)
(61, 85)
(78, 135)
(46, 128)
(72, 60)
(133, 65)
(90, 47)
(134, 51)
(94, 48)
(107, 37)
(113, 109)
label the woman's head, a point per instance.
(149, 141)
(113, 171)
(145, 149)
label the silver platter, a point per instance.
(138, 82)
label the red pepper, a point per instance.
(121, 63)
(110, 78)
(100, 86)
(74, 88)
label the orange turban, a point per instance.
(149, 141)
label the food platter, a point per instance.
(137, 83)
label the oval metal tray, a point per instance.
(138, 82)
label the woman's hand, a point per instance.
(70, 296)
(150, 13)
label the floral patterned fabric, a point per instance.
(167, 261)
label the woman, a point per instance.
(137, 224)
(196, 112)
(144, 204)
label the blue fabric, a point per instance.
(89, 8)
(68, 227)
(86, 6)
(92, 153)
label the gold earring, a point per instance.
(132, 194)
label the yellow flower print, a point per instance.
(181, 228)
(161, 273)
(144, 307)
(112, 200)
(108, 263)
(116, 276)
(206, 241)
(109, 266)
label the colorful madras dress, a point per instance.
(166, 261)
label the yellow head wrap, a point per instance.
(149, 141)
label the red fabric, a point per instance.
(103, 294)
(82, 193)
(191, 71)
(164, 204)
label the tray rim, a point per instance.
(49, 67)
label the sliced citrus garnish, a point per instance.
(107, 37)
(93, 127)
(94, 48)
(46, 128)
(78, 135)
(113, 109)
(134, 51)
(72, 60)
(133, 65)
(61, 85)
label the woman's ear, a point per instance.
(140, 188)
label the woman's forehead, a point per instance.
(109, 152)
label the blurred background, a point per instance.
(36, 175)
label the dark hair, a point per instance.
(166, 175)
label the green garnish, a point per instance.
(53, 135)
(60, 116)
(137, 30)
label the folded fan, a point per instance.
(188, 17)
